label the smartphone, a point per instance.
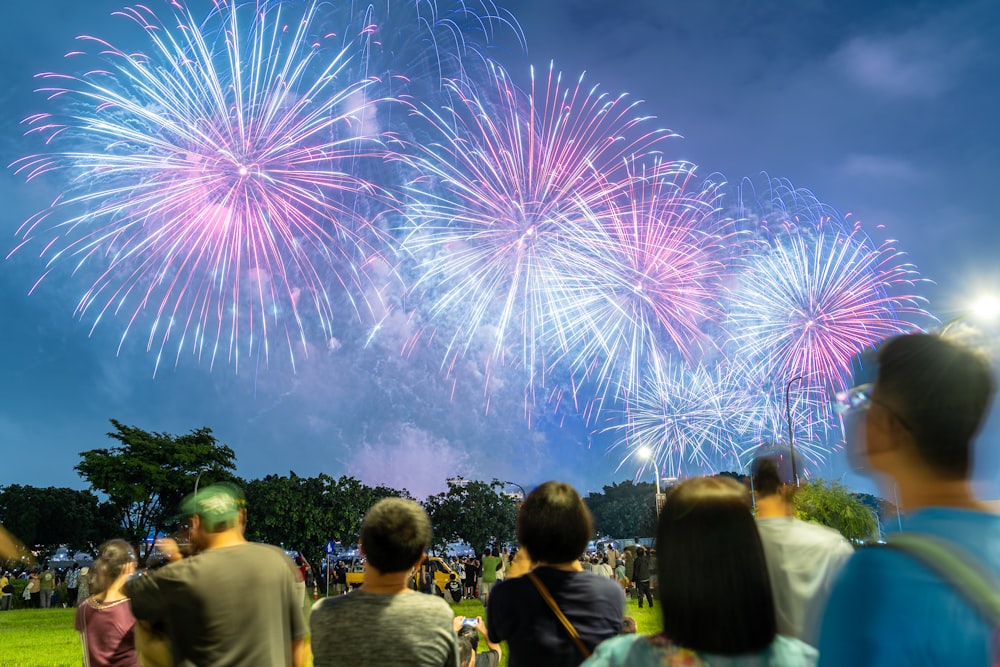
(471, 622)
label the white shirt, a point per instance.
(802, 561)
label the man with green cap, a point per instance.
(202, 600)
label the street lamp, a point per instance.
(984, 308)
(646, 454)
(520, 488)
(788, 418)
(198, 479)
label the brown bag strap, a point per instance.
(573, 634)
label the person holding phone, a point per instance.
(468, 630)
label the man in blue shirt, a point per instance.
(914, 427)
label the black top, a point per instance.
(519, 615)
(640, 568)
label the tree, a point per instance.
(52, 516)
(831, 504)
(477, 513)
(305, 512)
(624, 510)
(148, 474)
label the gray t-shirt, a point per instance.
(405, 630)
(234, 605)
(802, 561)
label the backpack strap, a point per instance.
(959, 569)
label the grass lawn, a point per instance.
(45, 637)
(36, 637)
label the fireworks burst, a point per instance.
(807, 411)
(687, 421)
(505, 210)
(654, 279)
(212, 180)
(815, 293)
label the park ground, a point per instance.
(45, 637)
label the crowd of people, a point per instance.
(738, 580)
(43, 584)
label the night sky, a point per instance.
(883, 109)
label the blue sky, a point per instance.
(886, 110)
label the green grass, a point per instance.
(39, 637)
(46, 638)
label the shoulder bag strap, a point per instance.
(956, 567)
(574, 635)
(959, 569)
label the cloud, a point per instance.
(922, 63)
(406, 456)
(878, 167)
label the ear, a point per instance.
(195, 522)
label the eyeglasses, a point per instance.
(861, 398)
(855, 398)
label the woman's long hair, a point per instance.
(714, 587)
(113, 556)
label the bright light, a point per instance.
(986, 307)
(644, 453)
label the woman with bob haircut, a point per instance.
(553, 529)
(714, 589)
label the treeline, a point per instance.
(144, 476)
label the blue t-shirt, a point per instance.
(642, 651)
(517, 614)
(888, 609)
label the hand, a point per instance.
(481, 625)
(168, 547)
(456, 623)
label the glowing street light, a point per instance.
(983, 308)
(986, 307)
(646, 454)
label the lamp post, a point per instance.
(646, 454)
(788, 418)
(520, 488)
(198, 479)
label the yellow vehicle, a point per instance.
(446, 581)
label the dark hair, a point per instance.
(470, 633)
(112, 558)
(554, 524)
(395, 534)
(940, 391)
(465, 651)
(712, 569)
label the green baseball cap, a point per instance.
(217, 505)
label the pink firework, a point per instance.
(502, 211)
(212, 180)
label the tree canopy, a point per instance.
(477, 513)
(148, 473)
(56, 515)
(305, 512)
(831, 504)
(624, 510)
